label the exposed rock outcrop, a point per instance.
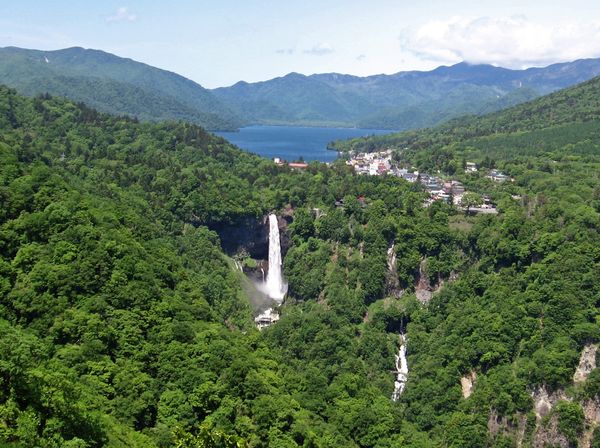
(587, 363)
(424, 290)
(591, 411)
(543, 401)
(467, 382)
(392, 283)
(548, 435)
(546, 432)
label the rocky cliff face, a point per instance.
(424, 290)
(251, 237)
(545, 431)
(467, 383)
(587, 363)
(591, 411)
(544, 401)
(392, 283)
(513, 428)
(548, 435)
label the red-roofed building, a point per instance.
(298, 165)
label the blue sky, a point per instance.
(219, 42)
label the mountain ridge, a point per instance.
(98, 78)
(403, 100)
(400, 101)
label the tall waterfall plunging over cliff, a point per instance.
(274, 286)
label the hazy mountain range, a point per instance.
(404, 100)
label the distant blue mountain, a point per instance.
(403, 100)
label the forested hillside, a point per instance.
(113, 84)
(538, 127)
(123, 323)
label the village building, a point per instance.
(471, 167)
(266, 318)
(410, 177)
(298, 165)
(497, 176)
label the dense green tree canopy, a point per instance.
(122, 322)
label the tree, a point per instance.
(303, 225)
(570, 420)
(206, 438)
(470, 199)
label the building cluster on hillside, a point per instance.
(372, 163)
(451, 191)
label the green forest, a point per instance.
(124, 324)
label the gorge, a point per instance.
(125, 319)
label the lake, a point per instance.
(292, 142)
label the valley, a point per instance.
(306, 281)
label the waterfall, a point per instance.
(401, 369)
(392, 282)
(391, 258)
(274, 286)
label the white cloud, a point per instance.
(288, 51)
(514, 42)
(361, 57)
(122, 15)
(320, 49)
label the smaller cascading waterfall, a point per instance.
(401, 369)
(392, 282)
(391, 258)
(274, 286)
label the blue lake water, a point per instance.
(292, 142)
